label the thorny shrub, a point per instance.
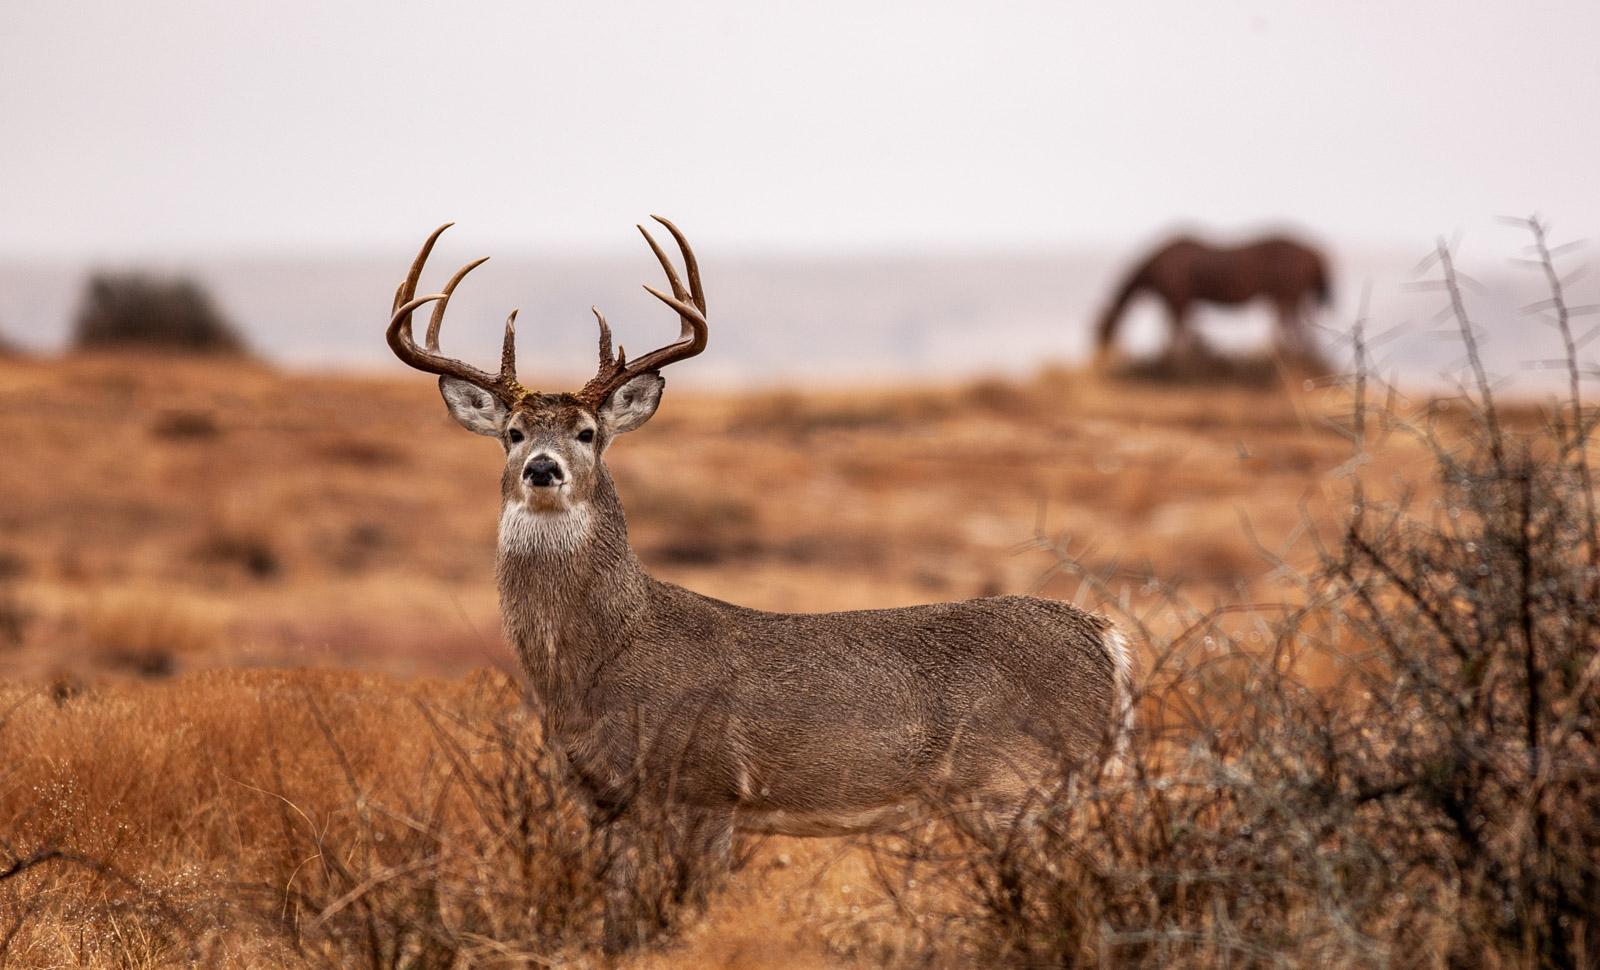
(1400, 768)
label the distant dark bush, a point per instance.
(131, 310)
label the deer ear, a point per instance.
(632, 404)
(473, 407)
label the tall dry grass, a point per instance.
(295, 818)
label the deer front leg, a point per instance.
(624, 927)
(704, 856)
(696, 845)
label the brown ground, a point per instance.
(160, 520)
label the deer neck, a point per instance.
(569, 588)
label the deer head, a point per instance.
(553, 441)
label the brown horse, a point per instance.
(1187, 271)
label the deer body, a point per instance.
(803, 724)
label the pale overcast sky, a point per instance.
(184, 127)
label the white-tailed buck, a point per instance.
(801, 724)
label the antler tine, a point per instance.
(437, 320)
(409, 307)
(403, 342)
(666, 264)
(408, 287)
(606, 357)
(692, 318)
(508, 351)
(690, 264)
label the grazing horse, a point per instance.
(1187, 271)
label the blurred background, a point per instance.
(909, 216)
(891, 191)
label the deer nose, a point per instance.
(541, 472)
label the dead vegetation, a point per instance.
(320, 820)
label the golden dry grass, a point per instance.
(331, 520)
(166, 525)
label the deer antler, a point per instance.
(615, 371)
(401, 340)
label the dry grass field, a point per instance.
(165, 515)
(249, 643)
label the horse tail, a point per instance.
(1107, 330)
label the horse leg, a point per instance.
(1294, 333)
(1105, 336)
(1184, 340)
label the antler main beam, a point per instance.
(690, 303)
(402, 340)
(614, 370)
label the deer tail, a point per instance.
(1123, 702)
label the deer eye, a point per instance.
(514, 436)
(586, 435)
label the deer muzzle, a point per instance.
(542, 471)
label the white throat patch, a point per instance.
(529, 532)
